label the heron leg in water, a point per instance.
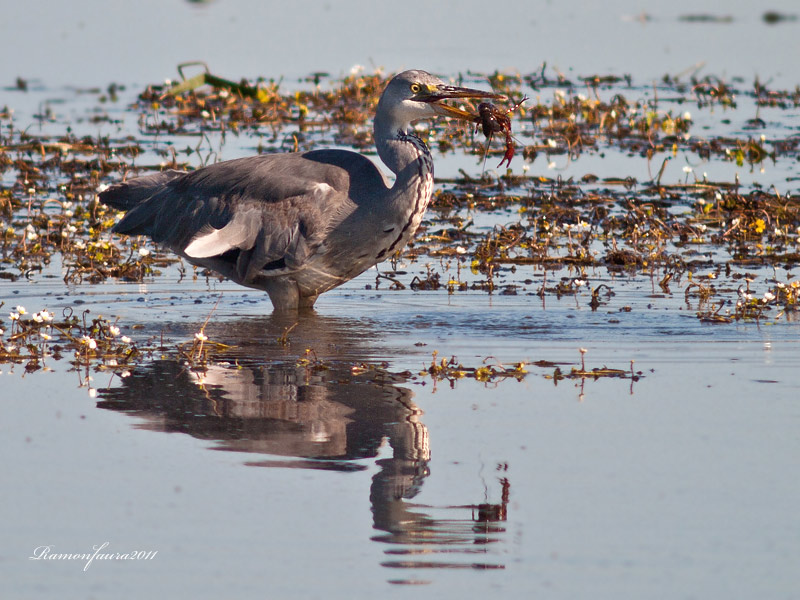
(285, 295)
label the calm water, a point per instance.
(265, 478)
(680, 482)
(89, 42)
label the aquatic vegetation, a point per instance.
(39, 338)
(725, 248)
(490, 371)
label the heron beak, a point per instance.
(435, 95)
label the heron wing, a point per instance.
(263, 212)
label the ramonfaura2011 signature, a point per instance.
(47, 553)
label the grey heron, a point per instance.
(299, 224)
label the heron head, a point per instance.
(414, 95)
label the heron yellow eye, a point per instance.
(415, 87)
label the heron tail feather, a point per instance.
(130, 194)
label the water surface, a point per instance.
(325, 460)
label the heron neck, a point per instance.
(410, 160)
(400, 151)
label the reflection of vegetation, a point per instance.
(96, 345)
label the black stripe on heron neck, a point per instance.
(425, 168)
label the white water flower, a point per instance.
(769, 296)
(21, 310)
(125, 339)
(580, 226)
(144, 252)
(14, 316)
(92, 344)
(113, 330)
(201, 336)
(43, 316)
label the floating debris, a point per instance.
(772, 17)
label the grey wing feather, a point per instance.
(129, 194)
(270, 209)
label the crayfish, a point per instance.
(493, 120)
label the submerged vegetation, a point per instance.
(726, 248)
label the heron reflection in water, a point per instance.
(287, 416)
(299, 224)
